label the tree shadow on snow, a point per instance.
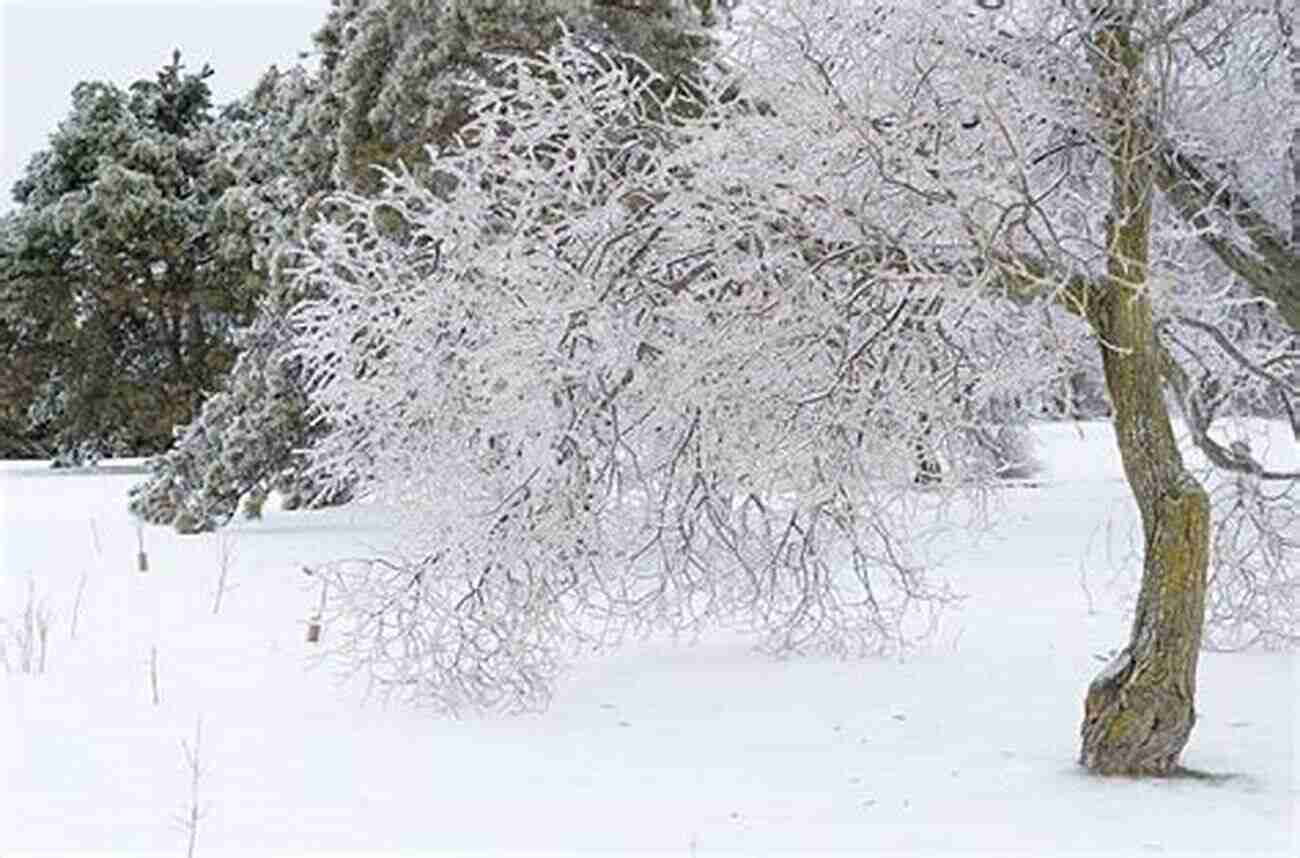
(1182, 774)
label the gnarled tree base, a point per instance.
(1132, 727)
(1139, 711)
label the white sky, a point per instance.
(48, 46)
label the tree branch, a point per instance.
(1269, 265)
(1235, 458)
(1227, 345)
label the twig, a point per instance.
(43, 635)
(153, 673)
(188, 820)
(225, 555)
(76, 604)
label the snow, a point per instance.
(967, 748)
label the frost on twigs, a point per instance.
(1254, 592)
(1247, 364)
(28, 634)
(616, 375)
(489, 622)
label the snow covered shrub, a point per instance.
(627, 359)
(1007, 451)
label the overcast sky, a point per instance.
(48, 46)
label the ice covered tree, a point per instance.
(117, 297)
(1107, 117)
(625, 366)
(398, 72)
(394, 78)
(1093, 109)
(1156, 81)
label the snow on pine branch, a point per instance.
(615, 375)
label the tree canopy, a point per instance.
(119, 296)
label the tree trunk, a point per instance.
(1139, 711)
(1293, 57)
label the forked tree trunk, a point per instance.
(1139, 712)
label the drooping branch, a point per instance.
(1282, 386)
(1235, 458)
(1025, 279)
(1269, 263)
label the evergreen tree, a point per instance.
(399, 74)
(119, 297)
(244, 440)
(18, 436)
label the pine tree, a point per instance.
(19, 437)
(242, 442)
(119, 296)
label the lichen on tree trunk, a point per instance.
(1139, 711)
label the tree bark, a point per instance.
(1139, 711)
(1287, 26)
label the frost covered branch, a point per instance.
(626, 358)
(620, 373)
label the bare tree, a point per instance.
(1139, 711)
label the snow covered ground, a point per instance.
(965, 749)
